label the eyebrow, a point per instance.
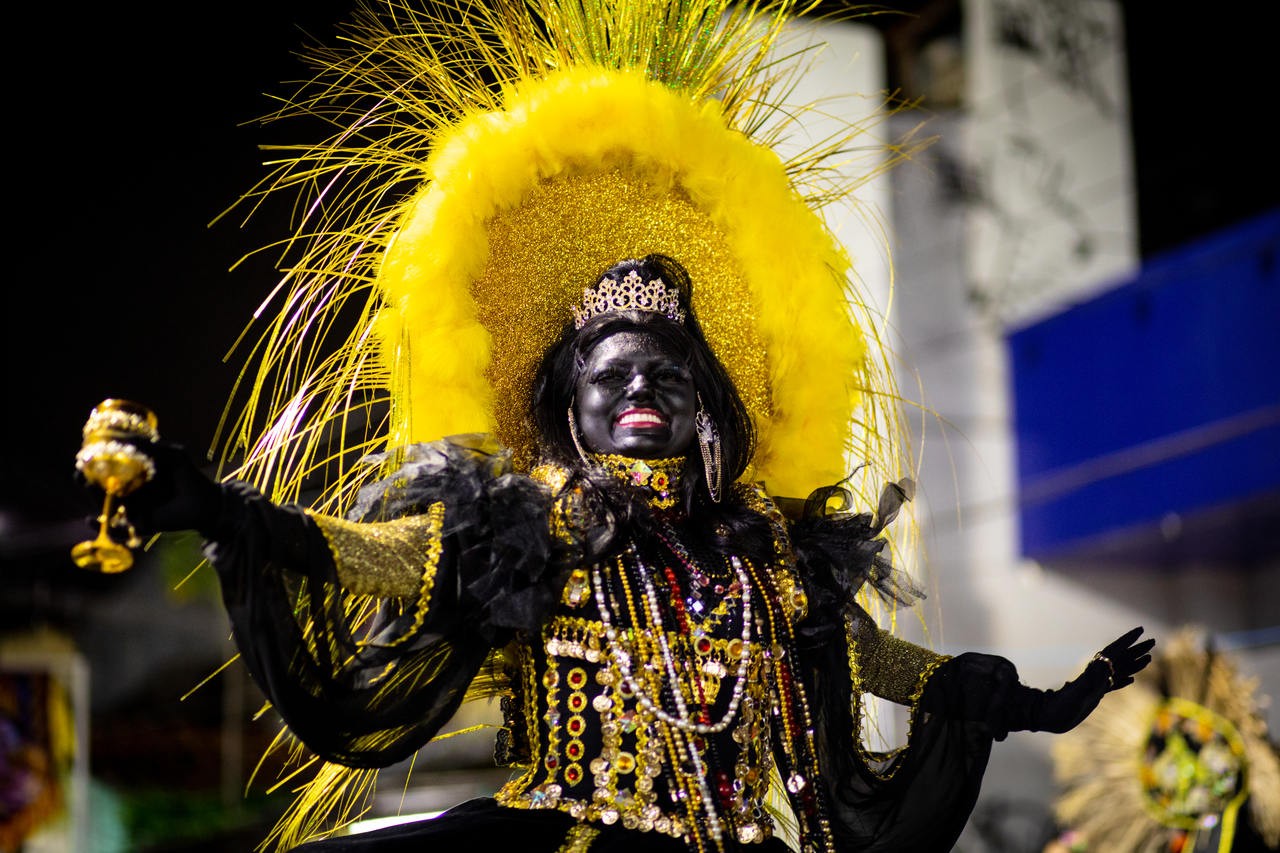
(666, 359)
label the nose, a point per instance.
(639, 387)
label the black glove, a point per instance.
(179, 496)
(1063, 709)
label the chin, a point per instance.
(642, 449)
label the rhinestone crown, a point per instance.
(633, 293)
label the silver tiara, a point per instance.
(633, 293)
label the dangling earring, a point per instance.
(573, 433)
(709, 444)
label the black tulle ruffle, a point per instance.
(368, 692)
(509, 568)
(838, 552)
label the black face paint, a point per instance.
(636, 398)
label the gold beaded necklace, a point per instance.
(684, 726)
(659, 477)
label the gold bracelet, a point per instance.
(1111, 668)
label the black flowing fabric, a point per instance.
(364, 702)
(920, 798)
(482, 825)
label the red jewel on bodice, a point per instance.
(724, 787)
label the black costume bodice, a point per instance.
(648, 698)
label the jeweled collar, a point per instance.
(659, 477)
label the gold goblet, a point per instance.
(118, 468)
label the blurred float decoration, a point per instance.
(42, 763)
(1180, 761)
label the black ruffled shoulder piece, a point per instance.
(837, 551)
(453, 469)
(510, 569)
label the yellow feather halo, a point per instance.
(488, 168)
(581, 169)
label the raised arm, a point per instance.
(366, 634)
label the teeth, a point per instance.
(640, 419)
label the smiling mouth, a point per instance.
(641, 419)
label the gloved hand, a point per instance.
(1065, 708)
(179, 496)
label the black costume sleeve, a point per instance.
(365, 680)
(919, 796)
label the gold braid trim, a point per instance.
(892, 669)
(387, 558)
(579, 838)
(783, 571)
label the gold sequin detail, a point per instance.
(892, 669)
(579, 838)
(585, 223)
(568, 517)
(553, 477)
(387, 558)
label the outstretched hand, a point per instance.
(1124, 658)
(179, 496)
(1112, 668)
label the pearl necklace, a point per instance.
(681, 719)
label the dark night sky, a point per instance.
(137, 135)
(128, 136)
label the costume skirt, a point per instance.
(482, 825)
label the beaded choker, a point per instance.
(660, 477)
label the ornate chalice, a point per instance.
(118, 468)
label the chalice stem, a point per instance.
(103, 553)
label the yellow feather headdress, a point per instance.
(489, 162)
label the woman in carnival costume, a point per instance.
(602, 336)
